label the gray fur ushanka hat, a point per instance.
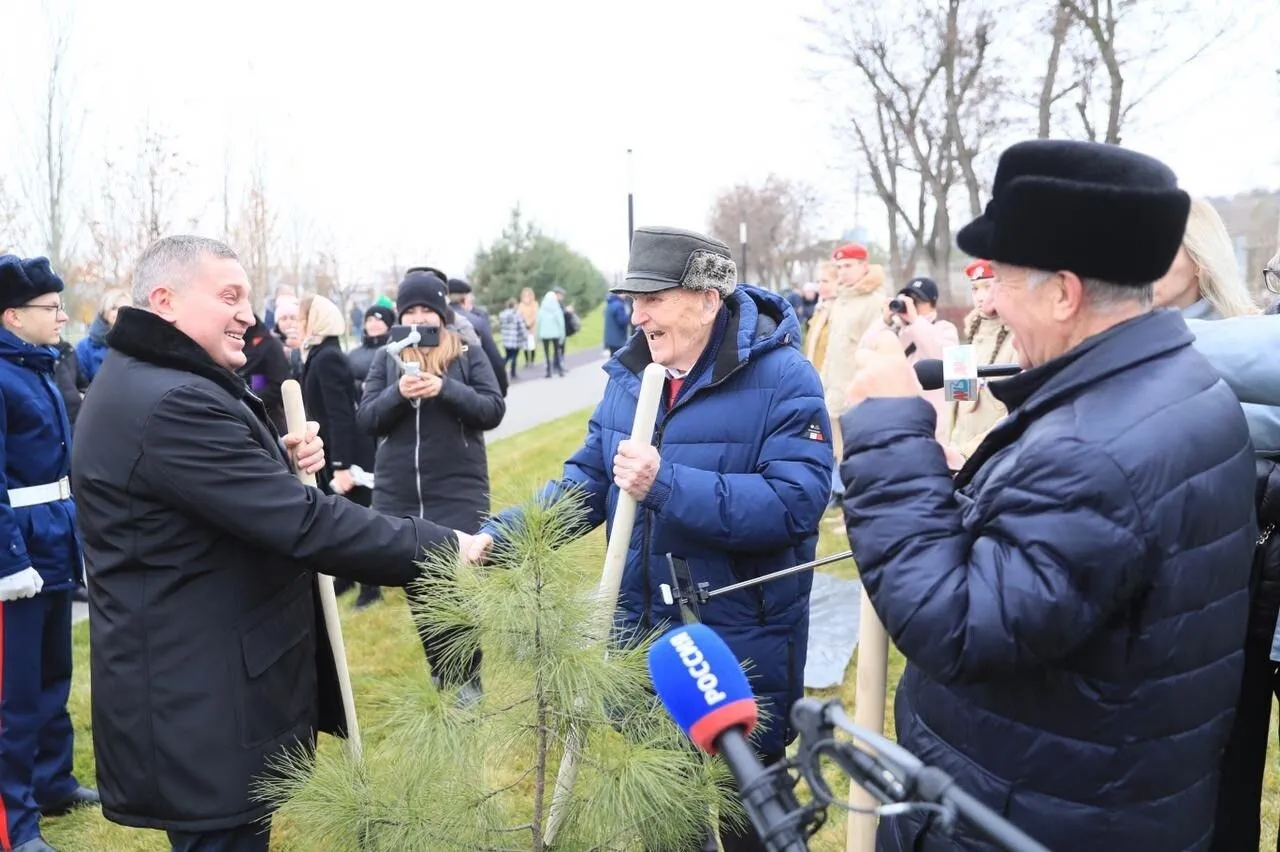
(666, 258)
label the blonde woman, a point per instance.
(1204, 281)
(329, 396)
(993, 342)
(430, 422)
(93, 348)
(528, 309)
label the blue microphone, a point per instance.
(703, 687)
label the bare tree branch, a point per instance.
(779, 215)
(45, 185)
(1058, 34)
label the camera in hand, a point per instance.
(428, 335)
(898, 305)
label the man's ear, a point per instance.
(1067, 294)
(160, 302)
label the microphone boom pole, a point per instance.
(778, 575)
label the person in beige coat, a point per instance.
(992, 341)
(819, 330)
(859, 298)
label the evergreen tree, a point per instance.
(441, 777)
(525, 257)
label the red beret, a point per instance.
(979, 270)
(852, 251)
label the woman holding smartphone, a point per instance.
(429, 404)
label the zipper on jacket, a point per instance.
(417, 455)
(645, 543)
(645, 538)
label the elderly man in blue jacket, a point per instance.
(41, 560)
(739, 472)
(1073, 605)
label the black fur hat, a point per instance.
(23, 280)
(1097, 210)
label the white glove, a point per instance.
(27, 583)
(361, 476)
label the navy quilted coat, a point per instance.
(745, 476)
(1073, 608)
(35, 449)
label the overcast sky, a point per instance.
(409, 130)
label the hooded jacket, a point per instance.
(744, 479)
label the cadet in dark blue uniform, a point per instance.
(39, 560)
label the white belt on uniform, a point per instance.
(34, 495)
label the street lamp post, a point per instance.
(742, 238)
(631, 207)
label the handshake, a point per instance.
(474, 549)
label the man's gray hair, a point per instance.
(1103, 296)
(168, 260)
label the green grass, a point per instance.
(380, 643)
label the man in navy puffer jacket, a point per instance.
(1073, 606)
(741, 468)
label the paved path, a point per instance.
(531, 401)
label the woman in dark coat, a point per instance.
(329, 396)
(431, 459)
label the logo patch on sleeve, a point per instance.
(814, 432)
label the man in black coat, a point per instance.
(209, 656)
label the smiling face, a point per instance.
(1043, 316)
(211, 307)
(677, 323)
(374, 326)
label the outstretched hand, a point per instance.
(475, 549)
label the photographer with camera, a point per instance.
(429, 404)
(912, 315)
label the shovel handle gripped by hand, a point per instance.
(615, 559)
(877, 367)
(296, 420)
